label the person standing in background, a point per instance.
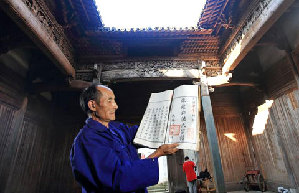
(189, 169)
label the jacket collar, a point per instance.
(96, 125)
(90, 123)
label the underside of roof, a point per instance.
(93, 42)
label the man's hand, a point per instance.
(166, 149)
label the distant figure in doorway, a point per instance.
(205, 180)
(189, 169)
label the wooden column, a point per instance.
(212, 139)
(176, 176)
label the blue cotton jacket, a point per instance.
(105, 160)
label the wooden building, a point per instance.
(242, 53)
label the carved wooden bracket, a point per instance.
(257, 24)
(34, 17)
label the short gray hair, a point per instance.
(91, 93)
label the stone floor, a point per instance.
(163, 188)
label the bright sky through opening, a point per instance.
(127, 14)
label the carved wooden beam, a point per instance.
(158, 68)
(264, 16)
(149, 73)
(151, 69)
(134, 69)
(138, 79)
(154, 34)
(37, 21)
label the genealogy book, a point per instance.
(171, 116)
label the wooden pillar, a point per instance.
(176, 176)
(98, 68)
(212, 139)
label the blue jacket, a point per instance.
(105, 160)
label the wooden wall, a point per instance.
(35, 140)
(275, 152)
(235, 155)
(277, 148)
(280, 78)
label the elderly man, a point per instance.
(103, 157)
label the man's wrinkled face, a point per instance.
(106, 107)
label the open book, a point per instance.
(171, 116)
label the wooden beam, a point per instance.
(108, 76)
(253, 33)
(145, 68)
(152, 34)
(212, 139)
(33, 26)
(79, 84)
(249, 84)
(50, 87)
(250, 5)
(153, 79)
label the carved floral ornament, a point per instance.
(167, 64)
(213, 72)
(254, 15)
(148, 68)
(55, 31)
(152, 64)
(213, 63)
